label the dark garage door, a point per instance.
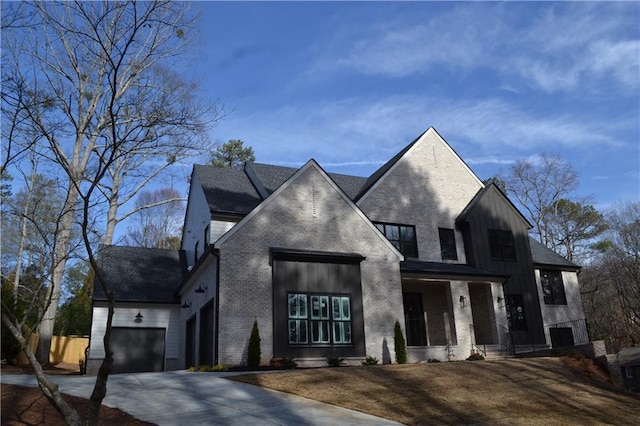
(137, 349)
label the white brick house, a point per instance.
(326, 263)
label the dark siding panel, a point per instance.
(316, 277)
(494, 212)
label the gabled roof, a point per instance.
(227, 190)
(138, 274)
(481, 193)
(543, 256)
(311, 164)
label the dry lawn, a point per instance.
(549, 391)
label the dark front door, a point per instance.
(414, 319)
(190, 356)
(206, 334)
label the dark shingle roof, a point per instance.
(446, 269)
(137, 274)
(227, 190)
(545, 256)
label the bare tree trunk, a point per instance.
(60, 258)
(49, 388)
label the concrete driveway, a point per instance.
(185, 398)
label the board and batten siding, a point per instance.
(154, 316)
(494, 211)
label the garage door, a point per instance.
(137, 350)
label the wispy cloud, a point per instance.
(554, 47)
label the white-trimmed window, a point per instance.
(327, 318)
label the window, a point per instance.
(501, 245)
(326, 320)
(553, 288)
(628, 372)
(515, 312)
(403, 237)
(207, 233)
(448, 244)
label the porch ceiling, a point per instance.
(416, 269)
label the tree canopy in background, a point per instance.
(232, 154)
(92, 99)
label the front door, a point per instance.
(414, 319)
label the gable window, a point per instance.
(553, 288)
(448, 244)
(501, 245)
(403, 238)
(319, 319)
(515, 312)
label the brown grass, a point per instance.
(528, 391)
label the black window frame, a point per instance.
(502, 245)
(306, 321)
(448, 249)
(552, 287)
(408, 248)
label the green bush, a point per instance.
(335, 361)
(400, 344)
(289, 363)
(370, 361)
(254, 352)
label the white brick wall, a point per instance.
(306, 213)
(429, 187)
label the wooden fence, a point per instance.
(67, 349)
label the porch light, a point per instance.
(186, 304)
(462, 301)
(500, 299)
(201, 290)
(138, 317)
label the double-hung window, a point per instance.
(319, 319)
(447, 244)
(403, 237)
(552, 287)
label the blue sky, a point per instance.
(351, 84)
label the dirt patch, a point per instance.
(524, 391)
(28, 406)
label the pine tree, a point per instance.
(401, 347)
(254, 353)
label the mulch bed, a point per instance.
(28, 405)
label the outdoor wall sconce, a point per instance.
(138, 317)
(200, 289)
(500, 299)
(462, 301)
(186, 304)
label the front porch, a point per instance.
(451, 310)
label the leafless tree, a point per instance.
(157, 222)
(93, 93)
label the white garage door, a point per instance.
(137, 350)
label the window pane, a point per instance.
(346, 332)
(407, 233)
(336, 308)
(293, 331)
(315, 307)
(302, 306)
(324, 307)
(337, 332)
(393, 233)
(302, 332)
(346, 311)
(293, 306)
(380, 227)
